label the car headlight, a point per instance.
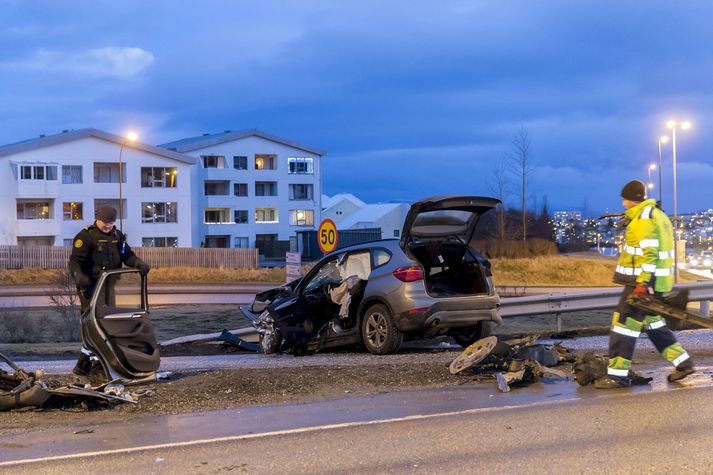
(707, 262)
(694, 261)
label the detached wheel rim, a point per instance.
(376, 329)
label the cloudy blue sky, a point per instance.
(410, 98)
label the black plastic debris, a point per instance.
(228, 337)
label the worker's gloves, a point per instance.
(143, 267)
(82, 280)
(643, 290)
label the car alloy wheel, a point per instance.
(378, 331)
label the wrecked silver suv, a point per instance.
(431, 282)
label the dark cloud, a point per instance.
(409, 98)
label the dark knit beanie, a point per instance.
(634, 191)
(106, 214)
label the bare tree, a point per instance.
(498, 186)
(522, 167)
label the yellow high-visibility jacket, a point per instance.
(648, 253)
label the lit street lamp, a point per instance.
(673, 125)
(663, 139)
(130, 137)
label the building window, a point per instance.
(265, 188)
(300, 165)
(265, 162)
(241, 242)
(213, 161)
(216, 188)
(240, 163)
(159, 242)
(301, 192)
(109, 173)
(26, 172)
(240, 189)
(266, 215)
(159, 212)
(113, 203)
(301, 217)
(158, 177)
(216, 216)
(33, 210)
(240, 216)
(38, 172)
(396, 233)
(71, 174)
(67, 242)
(72, 211)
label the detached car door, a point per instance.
(117, 325)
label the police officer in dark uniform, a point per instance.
(97, 248)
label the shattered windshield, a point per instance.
(328, 274)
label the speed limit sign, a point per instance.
(327, 236)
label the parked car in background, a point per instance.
(430, 282)
(700, 260)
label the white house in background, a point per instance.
(50, 187)
(340, 206)
(252, 187)
(389, 217)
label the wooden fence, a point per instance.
(56, 257)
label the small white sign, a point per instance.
(293, 266)
(293, 258)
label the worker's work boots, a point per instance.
(612, 382)
(89, 368)
(682, 371)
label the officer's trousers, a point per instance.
(627, 324)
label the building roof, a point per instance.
(72, 135)
(338, 198)
(207, 140)
(372, 213)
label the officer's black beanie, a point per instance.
(106, 214)
(634, 191)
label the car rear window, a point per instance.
(441, 221)
(381, 257)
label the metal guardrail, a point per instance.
(564, 302)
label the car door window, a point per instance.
(356, 264)
(327, 274)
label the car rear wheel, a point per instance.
(470, 335)
(378, 331)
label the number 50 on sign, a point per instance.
(327, 236)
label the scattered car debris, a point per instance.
(228, 337)
(590, 366)
(512, 362)
(21, 388)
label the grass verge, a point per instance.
(539, 271)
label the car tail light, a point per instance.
(409, 274)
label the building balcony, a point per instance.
(37, 227)
(37, 189)
(219, 201)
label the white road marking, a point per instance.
(300, 430)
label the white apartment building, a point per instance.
(50, 187)
(252, 188)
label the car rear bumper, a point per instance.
(439, 318)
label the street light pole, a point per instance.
(650, 184)
(662, 140)
(673, 125)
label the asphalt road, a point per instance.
(557, 428)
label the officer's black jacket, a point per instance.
(94, 251)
